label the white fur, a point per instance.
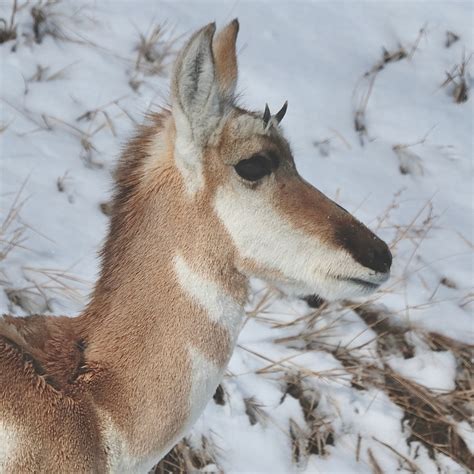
(119, 459)
(219, 306)
(197, 107)
(309, 266)
(188, 156)
(206, 375)
(8, 445)
(205, 378)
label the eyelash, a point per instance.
(256, 167)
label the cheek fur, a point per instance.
(305, 262)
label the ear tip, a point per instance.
(235, 23)
(210, 29)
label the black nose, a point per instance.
(377, 256)
(364, 246)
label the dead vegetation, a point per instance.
(365, 85)
(44, 18)
(12, 231)
(409, 161)
(317, 434)
(451, 38)
(50, 19)
(390, 337)
(462, 399)
(184, 458)
(44, 74)
(45, 286)
(428, 418)
(255, 411)
(156, 50)
(8, 27)
(458, 81)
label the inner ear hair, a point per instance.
(194, 71)
(195, 91)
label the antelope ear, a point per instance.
(196, 102)
(226, 58)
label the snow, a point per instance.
(315, 55)
(435, 370)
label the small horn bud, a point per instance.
(281, 113)
(266, 115)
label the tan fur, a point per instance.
(123, 365)
(226, 58)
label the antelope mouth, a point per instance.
(370, 285)
(363, 286)
(371, 282)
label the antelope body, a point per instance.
(207, 196)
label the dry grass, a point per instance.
(318, 433)
(44, 284)
(451, 38)
(89, 153)
(12, 232)
(44, 74)
(156, 50)
(255, 411)
(184, 458)
(365, 85)
(48, 19)
(390, 337)
(8, 27)
(428, 417)
(457, 80)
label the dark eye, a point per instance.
(256, 167)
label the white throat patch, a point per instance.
(210, 296)
(8, 446)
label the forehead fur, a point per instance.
(243, 132)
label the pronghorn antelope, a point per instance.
(207, 196)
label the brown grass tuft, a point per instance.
(156, 50)
(429, 418)
(183, 458)
(8, 28)
(390, 337)
(457, 80)
(255, 411)
(365, 85)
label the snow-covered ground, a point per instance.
(351, 387)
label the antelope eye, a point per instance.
(256, 167)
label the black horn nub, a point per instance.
(281, 113)
(266, 115)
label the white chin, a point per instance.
(330, 290)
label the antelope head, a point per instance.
(283, 229)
